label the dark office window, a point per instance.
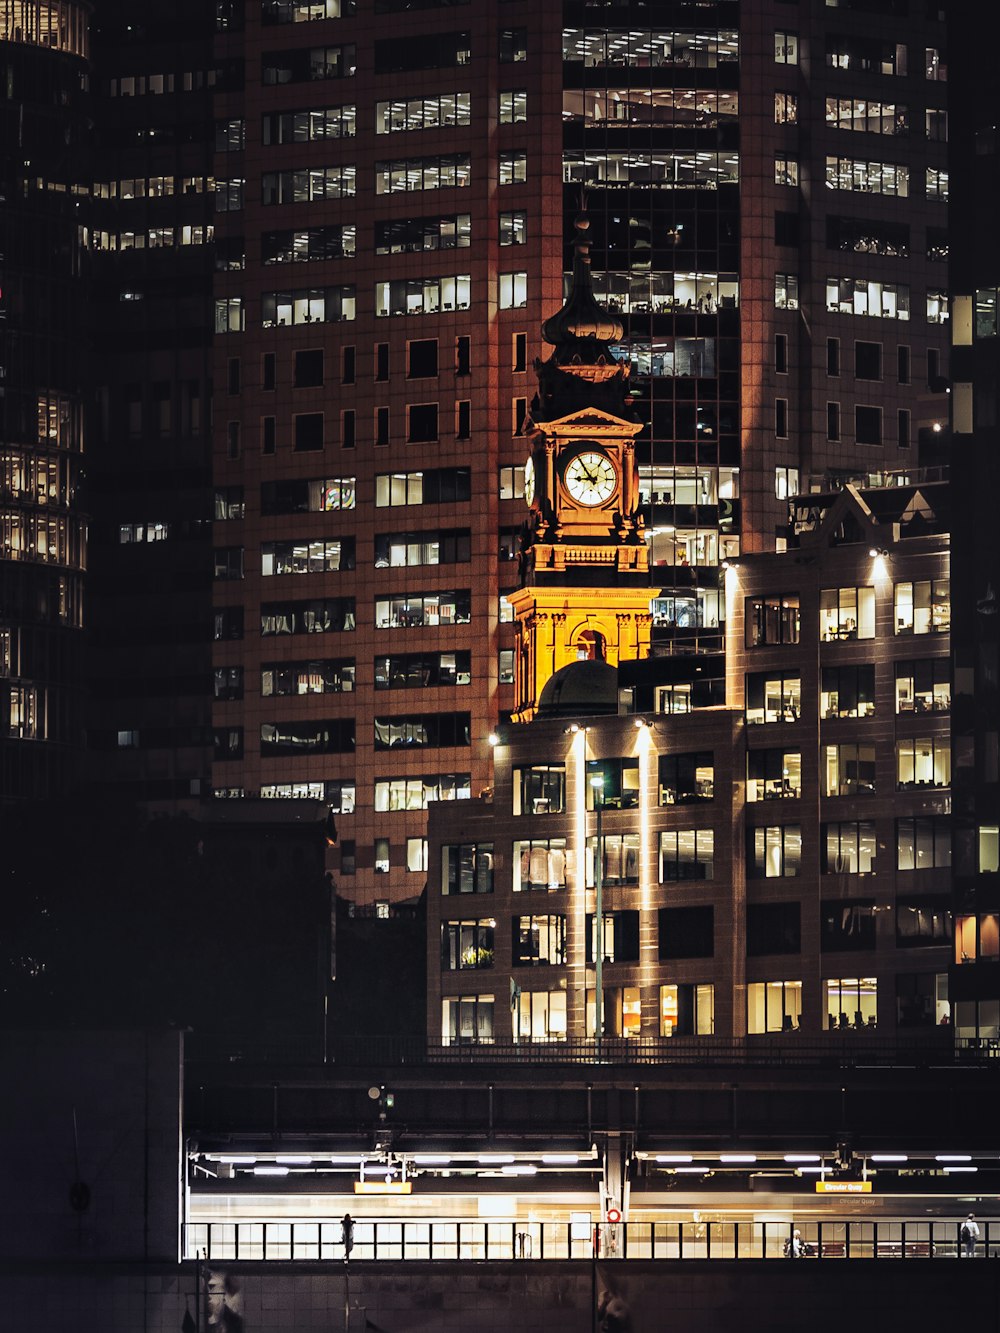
(463, 355)
(903, 365)
(781, 418)
(267, 435)
(309, 368)
(308, 432)
(781, 353)
(903, 428)
(381, 425)
(833, 356)
(833, 421)
(786, 229)
(520, 356)
(381, 361)
(867, 361)
(422, 422)
(267, 373)
(686, 932)
(233, 378)
(846, 927)
(463, 419)
(422, 359)
(868, 425)
(348, 429)
(773, 928)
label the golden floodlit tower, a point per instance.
(584, 563)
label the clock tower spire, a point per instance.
(584, 562)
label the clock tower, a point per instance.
(585, 589)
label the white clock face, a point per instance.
(590, 477)
(529, 482)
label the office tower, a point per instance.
(765, 185)
(43, 132)
(151, 216)
(975, 279)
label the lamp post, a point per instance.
(597, 783)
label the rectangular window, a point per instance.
(786, 482)
(301, 556)
(381, 426)
(922, 923)
(512, 290)
(847, 691)
(423, 670)
(786, 108)
(332, 675)
(937, 306)
(686, 778)
(847, 848)
(307, 64)
(923, 686)
(421, 423)
(417, 793)
(687, 854)
(774, 775)
(923, 762)
(307, 305)
(786, 291)
(463, 419)
(923, 843)
(466, 945)
(540, 790)
(772, 620)
(850, 1002)
(903, 428)
(542, 865)
(619, 859)
(423, 113)
(331, 736)
(513, 230)
(443, 485)
(773, 928)
(439, 546)
(308, 245)
(381, 362)
(870, 117)
(833, 356)
(903, 365)
(414, 175)
(422, 296)
(781, 418)
(512, 168)
(773, 697)
(348, 428)
(463, 355)
(511, 482)
(936, 184)
(449, 231)
(229, 314)
(505, 666)
(774, 1006)
(846, 613)
(325, 615)
(781, 353)
(786, 169)
(613, 784)
(302, 496)
(885, 178)
(467, 867)
(436, 50)
(513, 45)
(923, 607)
(422, 358)
(309, 185)
(332, 122)
(416, 856)
(687, 1010)
(416, 610)
(347, 365)
(538, 941)
(774, 851)
(833, 421)
(860, 296)
(467, 1019)
(786, 48)
(308, 433)
(513, 107)
(848, 770)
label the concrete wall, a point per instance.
(686, 1297)
(125, 1091)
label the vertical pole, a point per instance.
(598, 786)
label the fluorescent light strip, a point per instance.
(495, 1159)
(802, 1157)
(889, 1157)
(691, 1170)
(734, 1158)
(560, 1158)
(234, 1159)
(675, 1157)
(810, 1170)
(519, 1169)
(954, 1170)
(293, 1160)
(953, 1157)
(270, 1170)
(431, 1159)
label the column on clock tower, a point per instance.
(585, 590)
